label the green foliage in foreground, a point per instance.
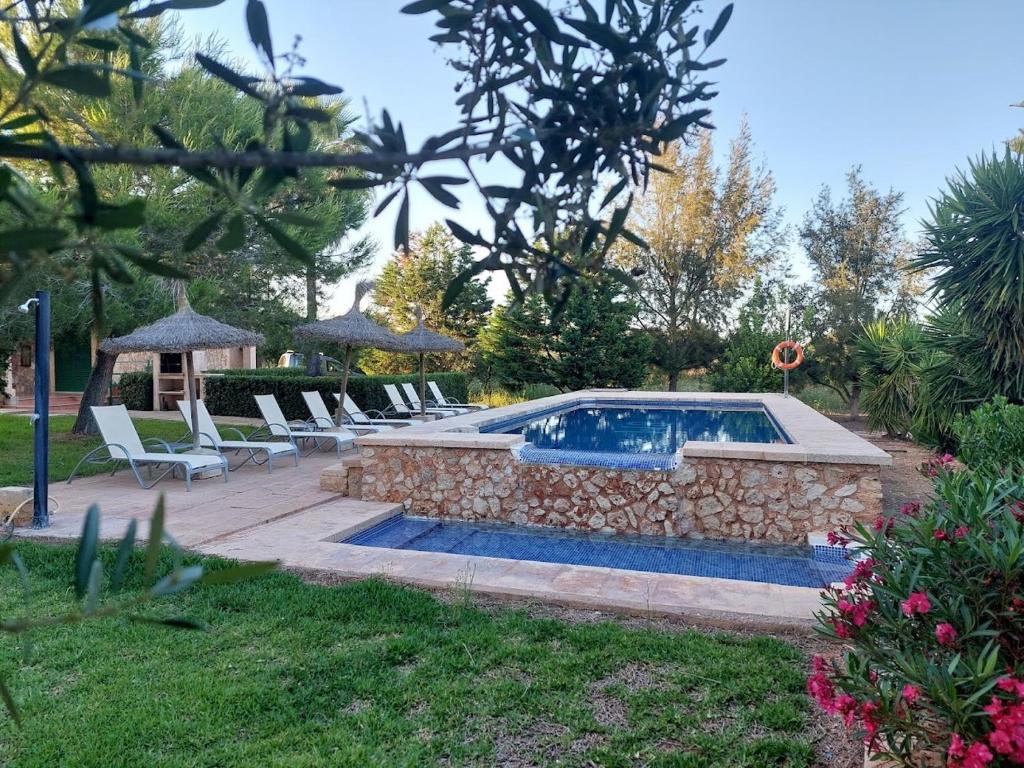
(991, 437)
(66, 449)
(370, 674)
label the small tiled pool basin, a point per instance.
(773, 564)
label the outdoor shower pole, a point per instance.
(40, 481)
(785, 372)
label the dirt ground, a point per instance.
(835, 747)
(902, 482)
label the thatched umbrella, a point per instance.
(185, 331)
(421, 340)
(353, 330)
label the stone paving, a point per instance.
(286, 516)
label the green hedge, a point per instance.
(232, 395)
(136, 390)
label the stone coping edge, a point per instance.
(816, 438)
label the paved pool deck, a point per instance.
(286, 516)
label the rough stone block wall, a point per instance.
(703, 498)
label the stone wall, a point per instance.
(703, 498)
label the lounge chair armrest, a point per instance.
(163, 443)
(371, 413)
(238, 432)
(301, 423)
(322, 423)
(265, 432)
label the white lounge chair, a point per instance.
(278, 426)
(209, 437)
(121, 443)
(447, 402)
(361, 417)
(400, 407)
(322, 418)
(414, 400)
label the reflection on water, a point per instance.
(646, 430)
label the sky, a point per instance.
(909, 90)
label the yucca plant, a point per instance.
(887, 356)
(954, 377)
(975, 255)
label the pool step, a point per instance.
(345, 477)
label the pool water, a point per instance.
(766, 563)
(645, 429)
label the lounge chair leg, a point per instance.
(270, 462)
(296, 457)
(188, 479)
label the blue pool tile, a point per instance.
(772, 564)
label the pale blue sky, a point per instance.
(909, 89)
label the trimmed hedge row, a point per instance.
(136, 390)
(232, 395)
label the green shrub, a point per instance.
(232, 395)
(933, 622)
(136, 390)
(887, 357)
(991, 437)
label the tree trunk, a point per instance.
(855, 400)
(673, 381)
(95, 393)
(312, 354)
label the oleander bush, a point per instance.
(136, 390)
(991, 437)
(233, 395)
(933, 617)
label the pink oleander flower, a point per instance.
(911, 693)
(856, 611)
(962, 531)
(940, 535)
(836, 540)
(917, 603)
(883, 524)
(910, 508)
(862, 571)
(945, 634)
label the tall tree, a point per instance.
(591, 343)
(859, 254)
(708, 232)
(419, 277)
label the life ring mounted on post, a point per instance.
(777, 355)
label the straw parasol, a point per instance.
(353, 330)
(185, 331)
(421, 340)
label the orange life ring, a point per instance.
(777, 355)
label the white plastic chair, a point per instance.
(278, 426)
(447, 402)
(210, 437)
(121, 443)
(361, 417)
(414, 401)
(322, 418)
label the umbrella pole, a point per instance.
(339, 417)
(423, 387)
(190, 387)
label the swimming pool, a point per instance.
(638, 435)
(790, 565)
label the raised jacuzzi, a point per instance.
(806, 474)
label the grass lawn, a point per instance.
(66, 449)
(370, 674)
